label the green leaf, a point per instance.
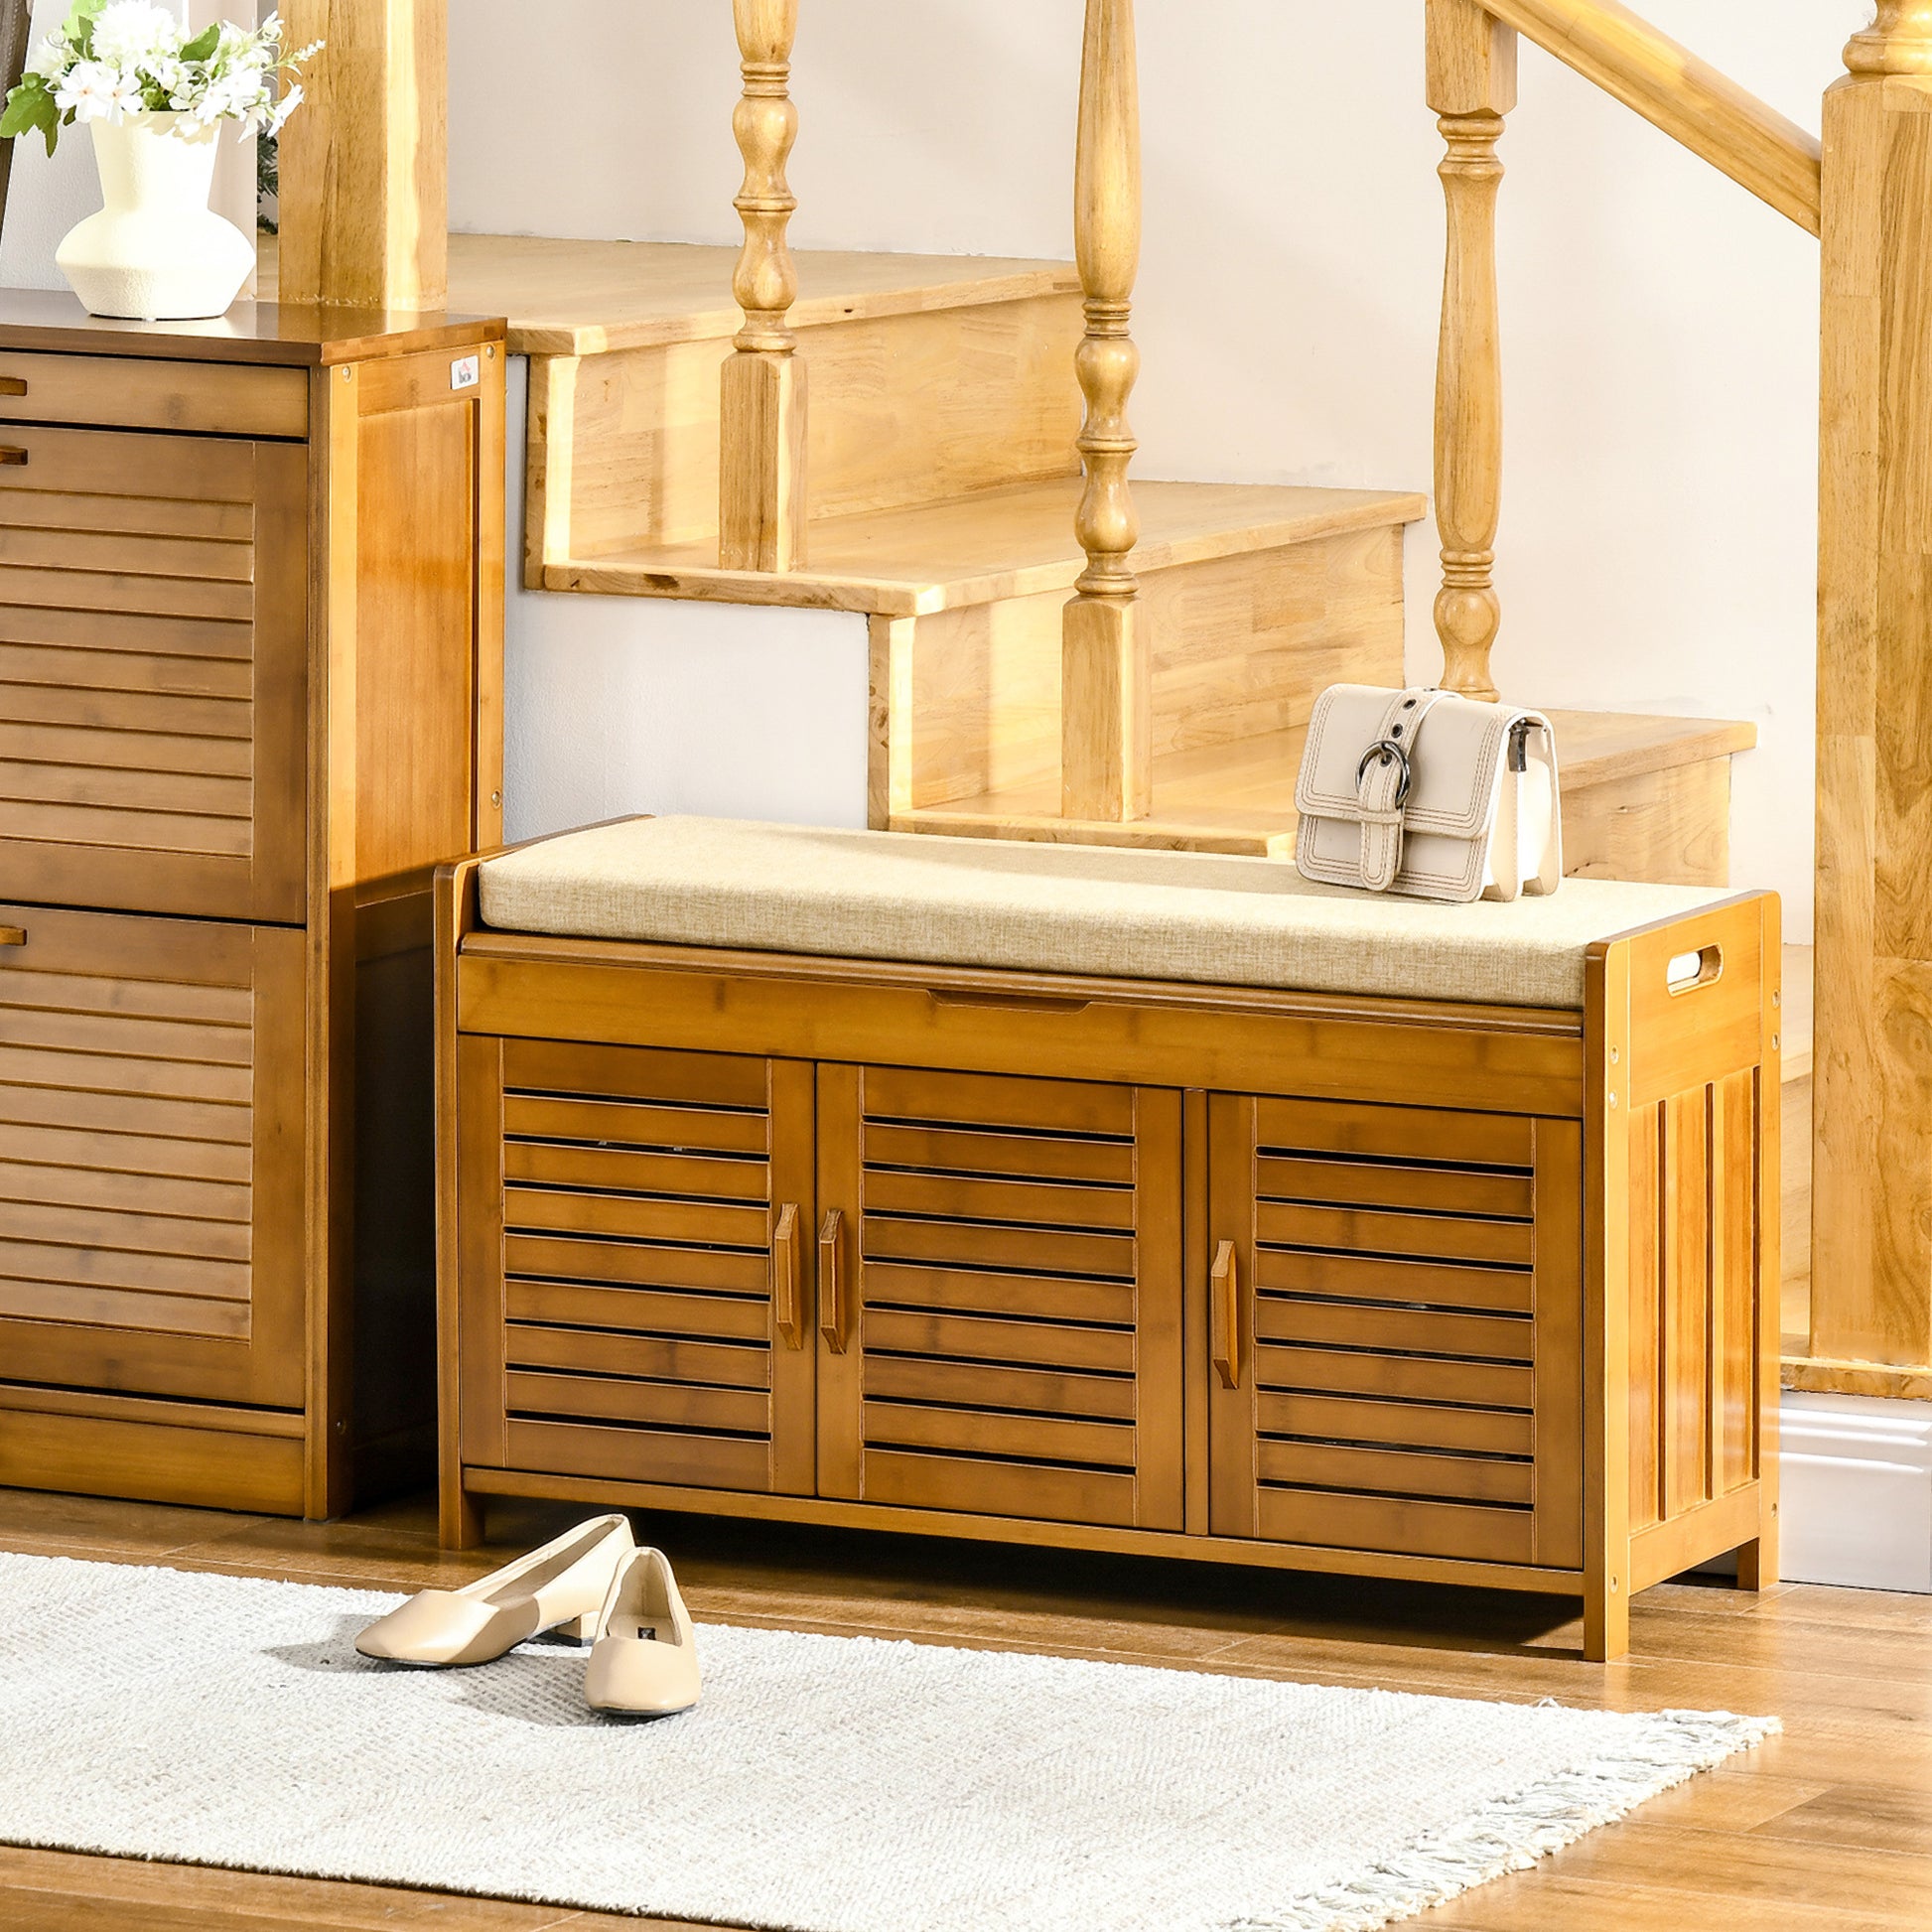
(203, 45)
(29, 105)
(79, 27)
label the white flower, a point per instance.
(51, 57)
(230, 97)
(88, 91)
(129, 33)
(124, 96)
(290, 101)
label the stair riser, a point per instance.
(1670, 828)
(1242, 645)
(904, 410)
(1659, 828)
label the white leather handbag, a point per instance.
(1427, 793)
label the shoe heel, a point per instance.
(579, 1631)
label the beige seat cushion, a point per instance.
(1057, 908)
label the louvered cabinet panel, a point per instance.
(153, 647)
(151, 1156)
(999, 1295)
(1395, 1307)
(642, 1221)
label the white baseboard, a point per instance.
(1856, 1480)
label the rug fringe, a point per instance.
(1517, 1832)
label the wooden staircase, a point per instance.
(1051, 657)
(943, 482)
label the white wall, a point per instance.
(615, 705)
(1659, 546)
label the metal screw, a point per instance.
(490, 350)
(1775, 1043)
(496, 798)
(1615, 1053)
(1612, 1100)
(1777, 998)
(348, 375)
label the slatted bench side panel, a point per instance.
(1699, 1234)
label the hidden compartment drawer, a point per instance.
(126, 392)
(153, 672)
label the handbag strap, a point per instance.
(1382, 782)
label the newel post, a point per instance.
(1471, 88)
(1106, 708)
(364, 164)
(762, 418)
(1872, 1219)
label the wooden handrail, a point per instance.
(762, 406)
(1106, 710)
(1688, 98)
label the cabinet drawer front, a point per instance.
(1407, 1307)
(151, 1169)
(112, 391)
(152, 638)
(622, 1307)
(1011, 1343)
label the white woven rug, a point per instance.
(823, 1785)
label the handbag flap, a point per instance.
(1454, 759)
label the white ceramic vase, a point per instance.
(156, 252)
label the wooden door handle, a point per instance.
(14, 455)
(784, 1277)
(1224, 1316)
(13, 935)
(831, 1280)
(13, 385)
(1006, 1001)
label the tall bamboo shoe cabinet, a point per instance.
(250, 694)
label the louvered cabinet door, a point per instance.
(634, 1276)
(999, 1295)
(1395, 1316)
(151, 1156)
(153, 646)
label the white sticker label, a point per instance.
(465, 373)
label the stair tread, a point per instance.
(588, 297)
(994, 544)
(1239, 796)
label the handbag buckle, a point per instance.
(1383, 752)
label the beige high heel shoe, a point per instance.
(644, 1657)
(561, 1586)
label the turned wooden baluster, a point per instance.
(761, 416)
(1471, 86)
(1107, 720)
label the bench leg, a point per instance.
(1757, 1562)
(459, 1520)
(1607, 1623)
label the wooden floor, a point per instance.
(1828, 1827)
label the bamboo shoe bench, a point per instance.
(1112, 1199)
